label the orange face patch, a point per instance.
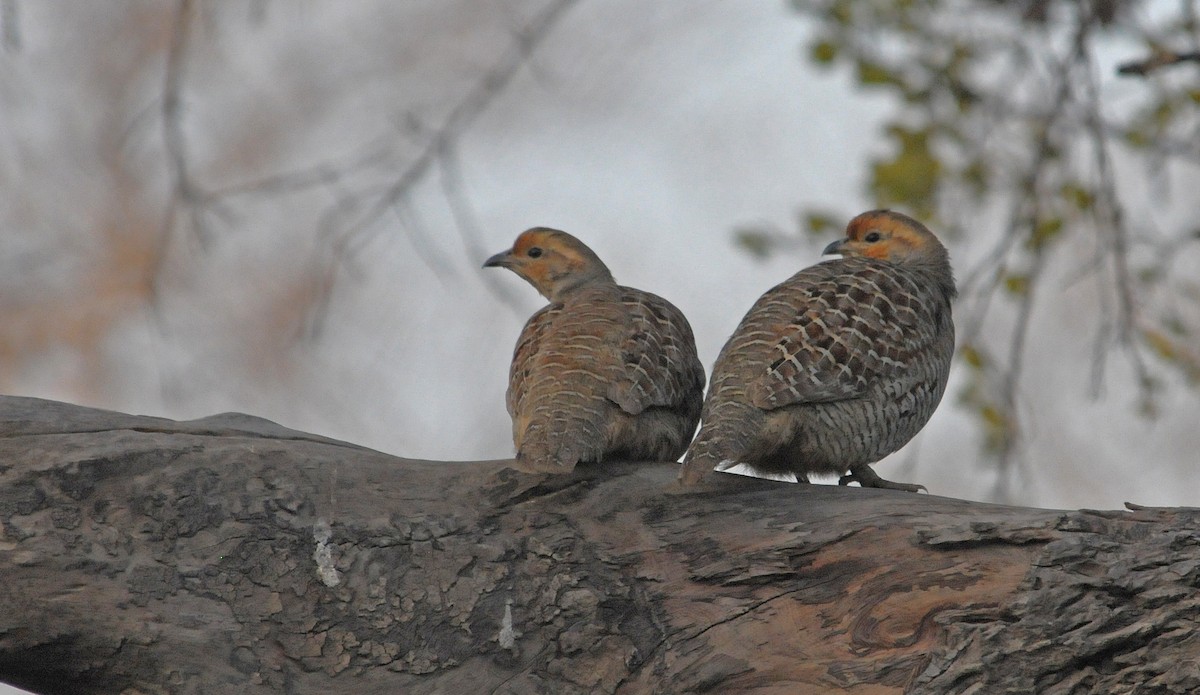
(899, 235)
(530, 238)
(881, 250)
(540, 275)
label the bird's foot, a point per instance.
(867, 477)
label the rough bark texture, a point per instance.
(233, 555)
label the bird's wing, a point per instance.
(558, 412)
(525, 356)
(851, 325)
(658, 366)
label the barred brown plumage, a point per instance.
(838, 366)
(604, 371)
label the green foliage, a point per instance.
(759, 243)
(910, 178)
(1175, 351)
(1017, 283)
(819, 224)
(872, 74)
(972, 356)
(1078, 196)
(824, 52)
(976, 176)
(997, 426)
(1044, 231)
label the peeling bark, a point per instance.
(230, 554)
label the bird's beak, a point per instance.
(500, 260)
(835, 247)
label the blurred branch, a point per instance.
(258, 11)
(1008, 462)
(1156, 61)
(10, 22)
(468, 226)
(409, 217)
(318, 175)
(460, 118)
(184, 194)
(1106, 209)
(1111, 219)
(351, 221)
(1024, 216)
(439, 142)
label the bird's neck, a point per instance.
(940, 275)
(566, 287)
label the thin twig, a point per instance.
(442, 138)
(1110, 217)
(1157, 60)
(375, 155)
(1009, 387)
(468, 227)
(183, 193)
(409, 217)
(460, 118)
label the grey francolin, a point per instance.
(604, 371)
(839, 365)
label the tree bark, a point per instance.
(231, 555)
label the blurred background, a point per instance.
(281, 208)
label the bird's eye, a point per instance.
(872, 237)
(534, 252)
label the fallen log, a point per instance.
(229, 554)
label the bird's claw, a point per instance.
(867, 477)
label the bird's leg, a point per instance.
(867, 477)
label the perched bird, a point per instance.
(839, 365)
(604, 371)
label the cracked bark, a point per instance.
(230, 554)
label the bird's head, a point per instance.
(890, 236)
(896, 238)
(554, 262)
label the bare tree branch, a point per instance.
(191, 203)
(468, 225)
(1025, 215)
(1156, 61)
(373, 156)
(1110, 218)
(460, 118)
(221, 555)
(442, 138)
(1009, 463)
(183, 192)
